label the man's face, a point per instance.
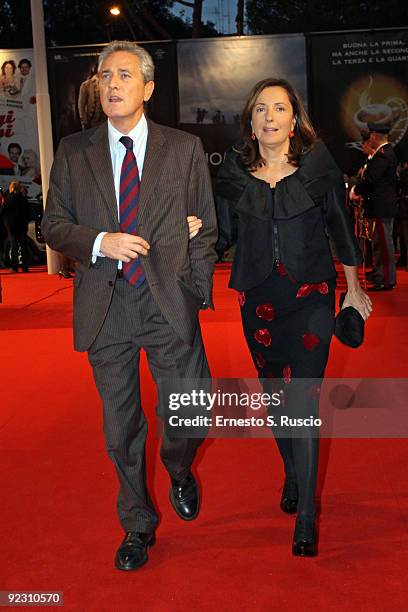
(375, 140)
(25, 68)
(123, 90)
(14, 154)
(367, 150)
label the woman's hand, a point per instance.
(194, 225)
(359, 300)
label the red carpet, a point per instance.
(59, 527)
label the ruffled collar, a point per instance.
(293, 195)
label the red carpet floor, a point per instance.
(59, 530)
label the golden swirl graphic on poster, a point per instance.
(378, 99)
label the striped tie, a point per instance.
(128, 208)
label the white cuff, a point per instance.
(96, 247)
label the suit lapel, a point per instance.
(152, 165)
(99, 160)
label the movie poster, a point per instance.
(19, 153)
(74, 87)
(216, 75)
(356, 78)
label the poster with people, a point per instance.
(358, 78)
(19, 153)
(216, 75)
(74, 87)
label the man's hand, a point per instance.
(123, 247)
(352, 195)
(194, 226)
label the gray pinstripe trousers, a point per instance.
(134, 321)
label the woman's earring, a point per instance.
(291, 134)
(253, 135)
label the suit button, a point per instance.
(110, 283)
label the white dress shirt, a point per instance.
(118, 151)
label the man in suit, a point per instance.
(378, 186)
(118, 201)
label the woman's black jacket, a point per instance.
(293, 226)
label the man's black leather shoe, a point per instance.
(132, 553)
(185, 497)
(304, 540)
(290, 496)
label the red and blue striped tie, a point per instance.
(128, 208)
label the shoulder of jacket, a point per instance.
(78, 139)
(174, 134)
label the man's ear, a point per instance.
(148, 90)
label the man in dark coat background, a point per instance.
(378, 186)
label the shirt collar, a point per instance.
(136, 134)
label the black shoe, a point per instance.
(64, 274)
(381, 287)
(132, 553)
(290, 495)
(401, 263)
(304, 539)
(185, 497)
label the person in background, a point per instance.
(24, 65)
(402, 216)
(89, 103)
(30, 164)
(363, 225)
(9, 81)
(378, 186)
(15, 215)
(27, 82)
(278, 194)
(14, 151)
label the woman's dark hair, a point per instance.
(3, 68)
(304, 133)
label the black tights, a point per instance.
(300, 458)
(288, 328)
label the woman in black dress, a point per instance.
(279, 196)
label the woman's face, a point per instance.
(28, 160)
(8, 70)
(272, 117)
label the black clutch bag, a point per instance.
(349, 325)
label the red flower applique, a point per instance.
(323, 288)
(260, 360)
(265, 311)
(310, 341)
(287, 374)
(241, 298)
(263, 337)
(307, 289)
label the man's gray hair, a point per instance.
(145, 59)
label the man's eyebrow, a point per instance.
(106, 70)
